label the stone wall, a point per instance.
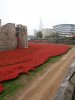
(8, 36)
(65, 91)
(22, 35)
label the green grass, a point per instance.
(40, 68)
(12, 86)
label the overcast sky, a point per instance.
(29, 12)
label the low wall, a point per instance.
(65, 91)
(68, 42)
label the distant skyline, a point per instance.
(29, 12)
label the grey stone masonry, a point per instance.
(22, 35)
(8, 36)
(66, 88)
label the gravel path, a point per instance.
(45, 87)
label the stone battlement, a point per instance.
(11, 36)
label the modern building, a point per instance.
(47, 32)
(30, 37)
(65, 29)
(61, 30)
(35, 32)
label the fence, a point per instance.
(68, 42)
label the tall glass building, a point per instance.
(65, 28)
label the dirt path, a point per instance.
(45, 87)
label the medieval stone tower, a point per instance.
(21, 33)
(11, 36)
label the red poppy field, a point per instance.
(15, 62)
